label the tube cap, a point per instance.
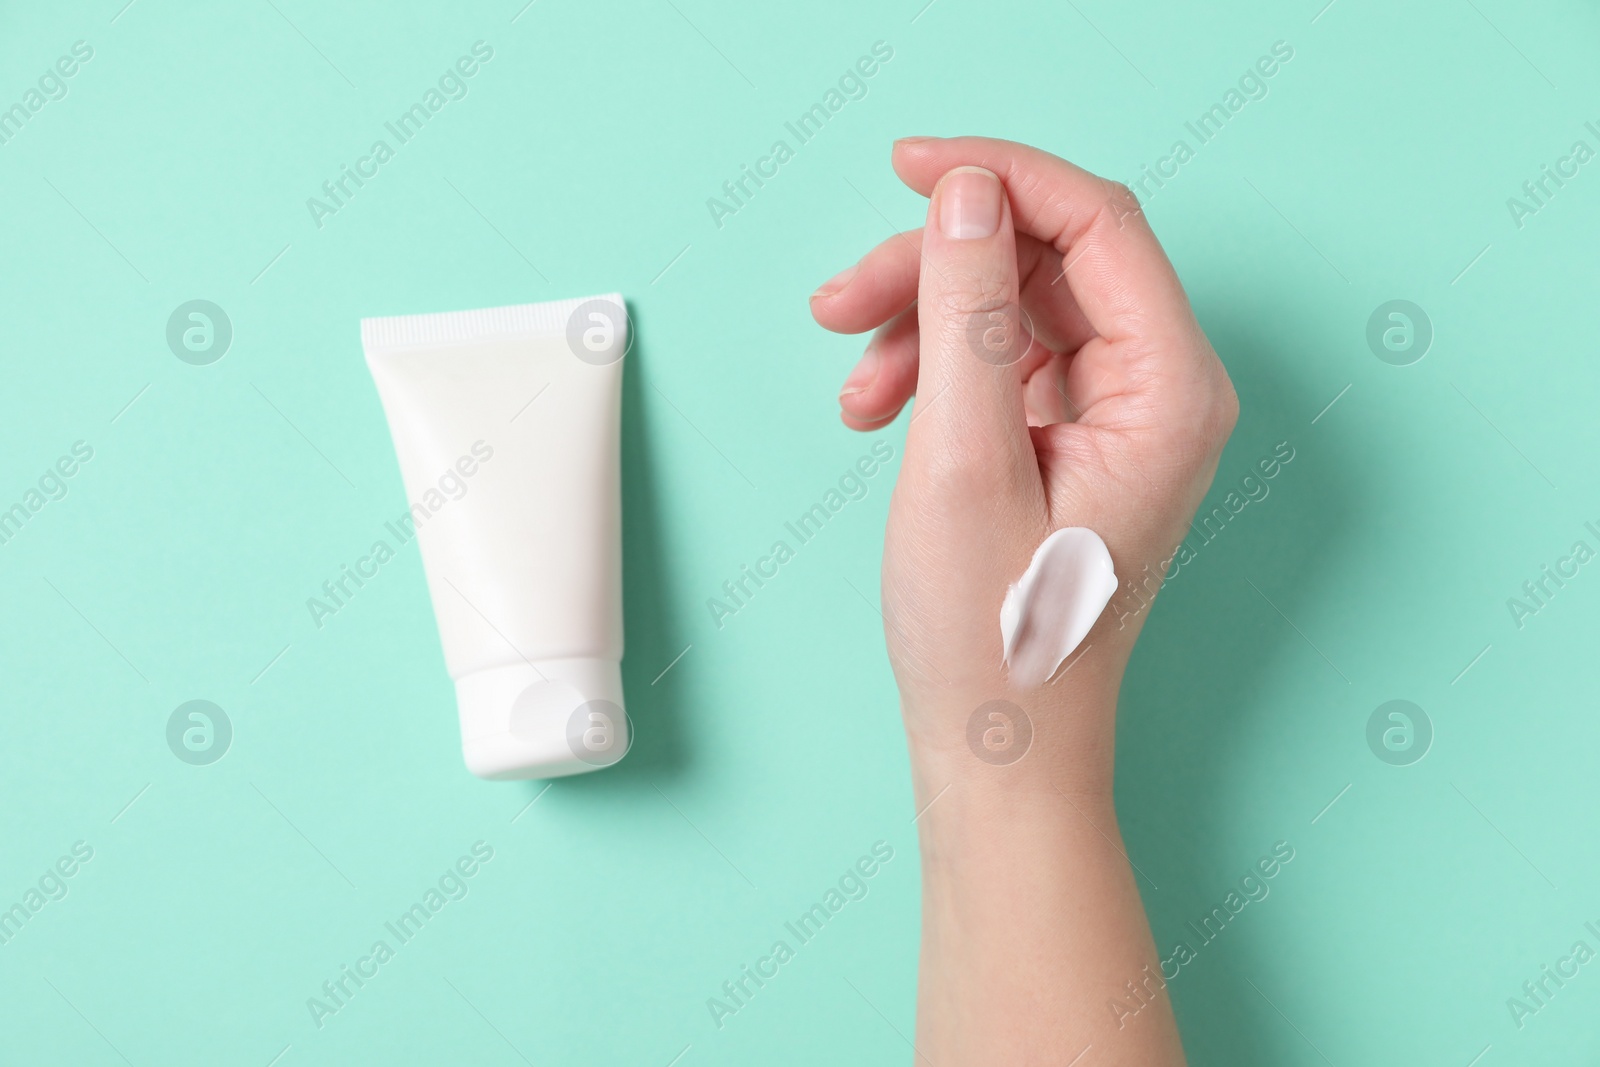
(543, 720)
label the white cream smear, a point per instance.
(1054, 605)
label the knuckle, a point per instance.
(980, 316)
(969, 294)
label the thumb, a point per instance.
(970, 416)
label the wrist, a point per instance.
(1006, 745)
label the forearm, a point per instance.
(1032, 920)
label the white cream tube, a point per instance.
(525, 568)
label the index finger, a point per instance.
(1118, 272)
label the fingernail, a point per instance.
(837, 282)
(865, 373)
(911, 140)
(969, 203)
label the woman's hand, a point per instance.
(1061, 380)
(1099, 404)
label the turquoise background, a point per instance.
(769, 757)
